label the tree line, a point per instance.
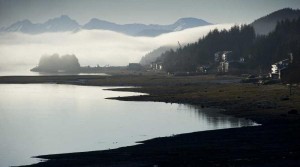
(258, 51)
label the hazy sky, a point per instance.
(142, 11)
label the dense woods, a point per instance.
(259, 52)
(278, 44)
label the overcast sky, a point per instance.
(141, 11)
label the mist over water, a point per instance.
(20, 52)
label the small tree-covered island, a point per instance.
(58, 64)
(69, 64)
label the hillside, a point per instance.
(153, 55)
(266, 24)
(258, 52)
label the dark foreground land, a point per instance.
(275, 143)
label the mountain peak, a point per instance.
(26, 21)
(65, 23)
(62, 18)
(62, 23)
(95, 23)
(188, 22)
(18, 26)
(187, 19)
(95, 20)
(65, 17)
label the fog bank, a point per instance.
(91, 47)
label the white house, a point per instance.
(156, 66)
(278, 67)
(227, 62)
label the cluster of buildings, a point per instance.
(155, 66)
(224, 62)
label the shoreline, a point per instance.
(273, 143)
(247, 146)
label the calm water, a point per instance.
(24, 70)
(30, 73)
(40, 119)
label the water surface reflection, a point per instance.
(40, 119)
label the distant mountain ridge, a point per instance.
(59, 24)
(267, 24)
(65, 23)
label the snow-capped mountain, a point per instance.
(65, 23)
(62, 23)
(59, 24)
(143, 29)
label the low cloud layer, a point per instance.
(91, 47)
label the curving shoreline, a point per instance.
(272, 144)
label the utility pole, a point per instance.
(179, 45)
(291, 83)
(291, 57)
